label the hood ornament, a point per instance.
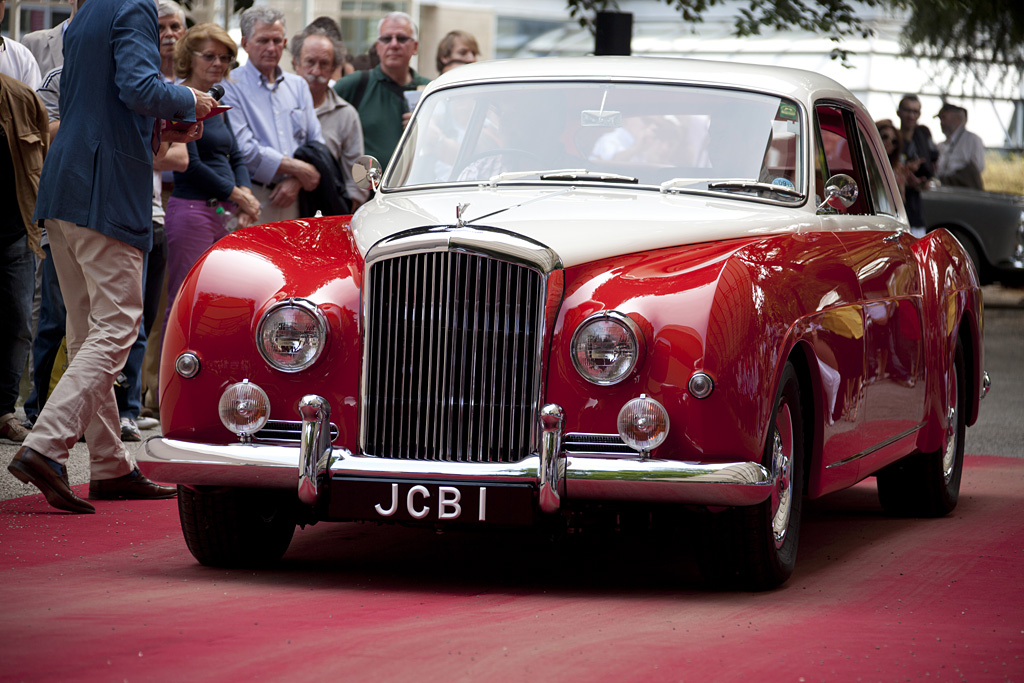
(460, 211)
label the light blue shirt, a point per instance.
(270, 119)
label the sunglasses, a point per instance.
(402, 40)
(209, 57)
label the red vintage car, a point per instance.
(582, 284)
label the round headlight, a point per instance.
(643, 424)
(244, 408)
(292, 335)
(606, 347)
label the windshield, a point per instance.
(675, 138)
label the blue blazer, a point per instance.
(99, 170)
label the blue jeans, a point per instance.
(49, 334)
(17, 285)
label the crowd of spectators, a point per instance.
(918, 161)
(284, 149)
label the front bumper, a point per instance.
(557, 477)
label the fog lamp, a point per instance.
(643, 424)
(244, 408)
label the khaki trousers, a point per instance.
(268, 213)
(101, 280)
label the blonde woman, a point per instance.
(213, 195)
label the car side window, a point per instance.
(838, 152)
(881, 197)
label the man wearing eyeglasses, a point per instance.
(920, 154)
(379, 94)
(273, 116)
(316, 55)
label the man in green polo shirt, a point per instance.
(379, 94)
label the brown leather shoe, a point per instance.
(132, 486)
(49, 477)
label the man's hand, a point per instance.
(305, 173)
(405, 119)
(193, 133)
(286, 192)
(204, 103)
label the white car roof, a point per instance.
(800, 85)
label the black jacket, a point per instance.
(329, 197)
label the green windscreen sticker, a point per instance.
(787, 112)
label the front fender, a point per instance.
(217, 311)
(734, 310)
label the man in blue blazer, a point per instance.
(95, 194)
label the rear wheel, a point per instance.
(236, 527)
(928, 484)
(755, 547)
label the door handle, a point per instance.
(894, 238)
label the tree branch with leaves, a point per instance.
(973, 36)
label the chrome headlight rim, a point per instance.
(319, 319)
(629, 325)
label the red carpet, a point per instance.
(116, 596)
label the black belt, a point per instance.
(269, 186)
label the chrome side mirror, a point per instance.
(841, 192)
(367, 172)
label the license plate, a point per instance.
(431, 501)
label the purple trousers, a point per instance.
(192, 228)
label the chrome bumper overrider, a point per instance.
(556, 476)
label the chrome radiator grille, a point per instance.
(452, 358)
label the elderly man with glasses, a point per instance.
(273, 116)
(379, 94)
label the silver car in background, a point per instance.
(989, 225)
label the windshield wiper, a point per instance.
(588, 175)
(515, 175)
(754, 185)
(683, 184)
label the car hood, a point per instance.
(581, 224)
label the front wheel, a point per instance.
(236, 527)
(755, 546)
(928, 484)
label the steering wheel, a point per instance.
(516, 159)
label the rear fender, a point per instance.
(952, 297)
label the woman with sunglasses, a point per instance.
(894, 151)
(213, 196)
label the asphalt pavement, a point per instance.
(999, 431)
